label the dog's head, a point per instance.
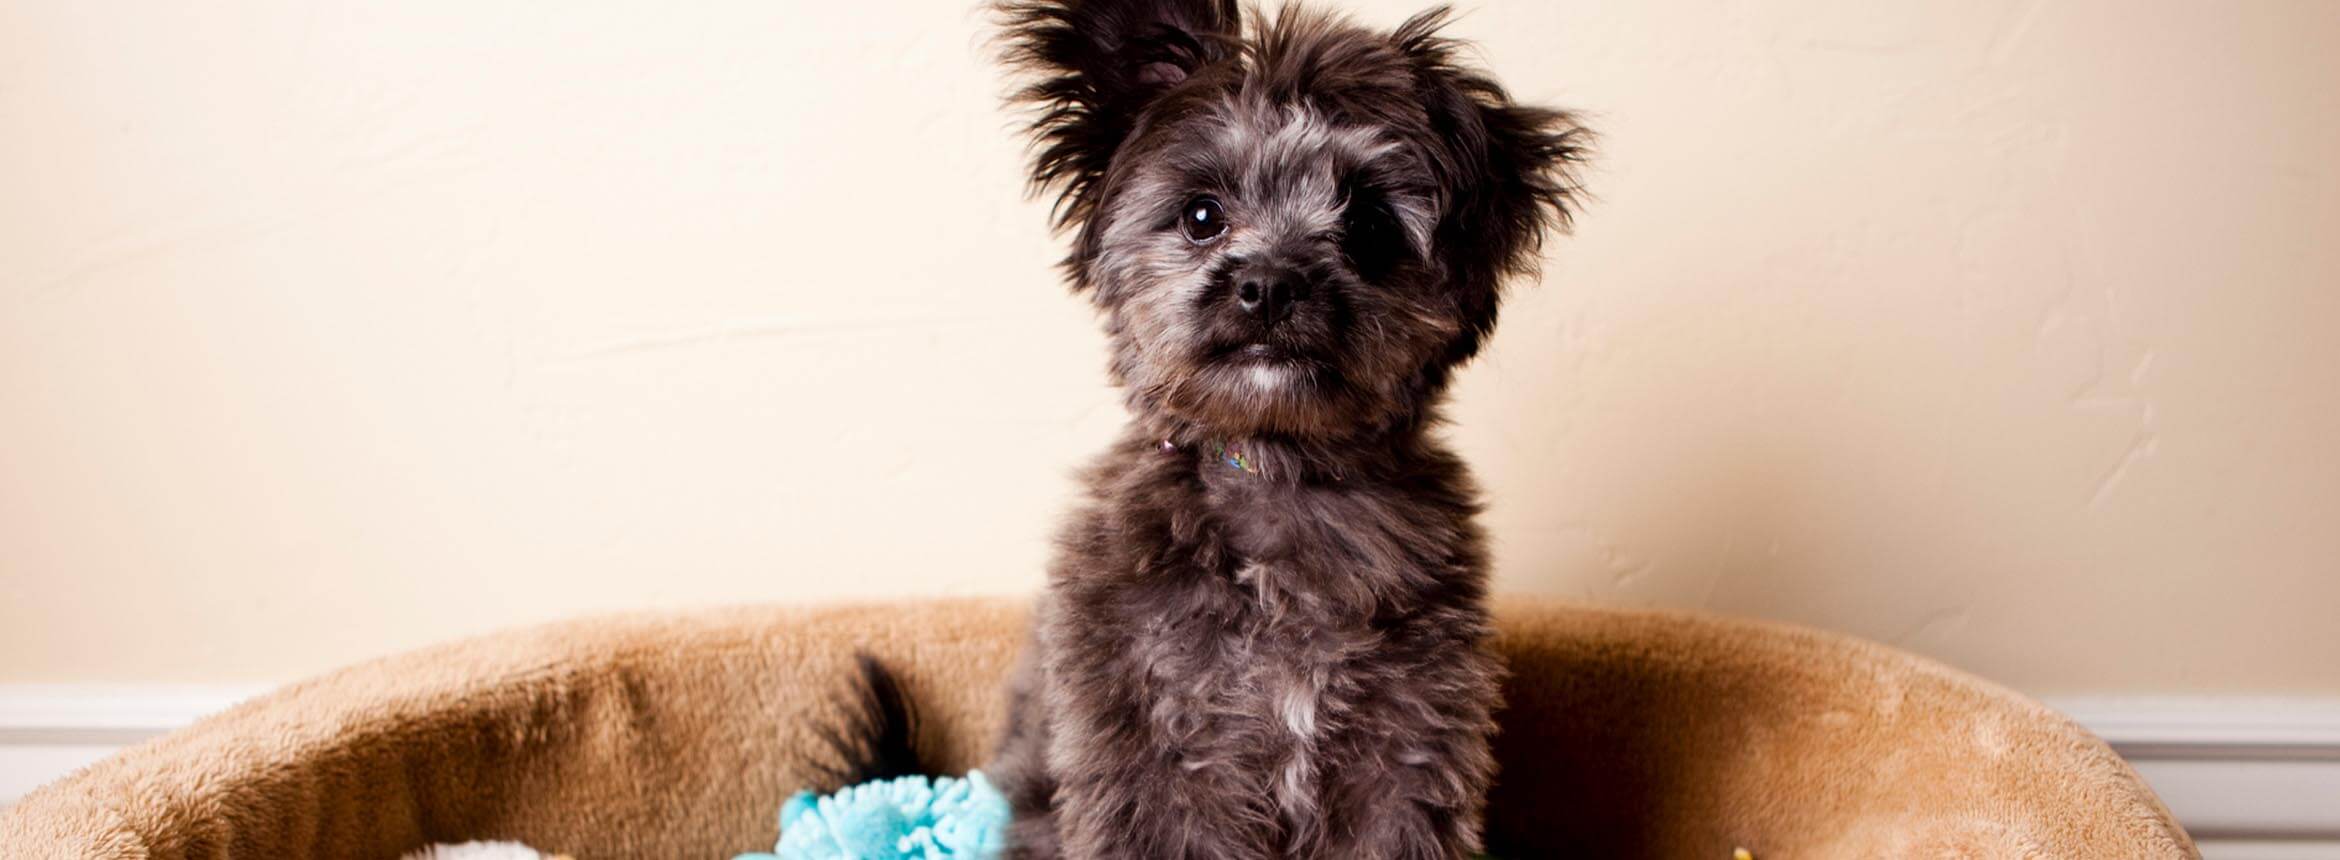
(1297, 230)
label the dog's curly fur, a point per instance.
(1264, 633)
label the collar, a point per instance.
(1232, 458)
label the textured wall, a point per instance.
(2003, 331)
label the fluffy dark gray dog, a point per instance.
(1264, 634)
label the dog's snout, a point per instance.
(1267, 292)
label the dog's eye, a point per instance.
(1371, 237)
(1202, 221)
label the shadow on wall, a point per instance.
(1736, 459)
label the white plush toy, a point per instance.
(481, 851)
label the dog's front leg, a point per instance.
(1126, 788)
(1414, 777)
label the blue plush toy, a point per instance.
(910, 818)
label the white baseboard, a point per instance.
(2252, 778)
(50, 730)
(2268, 849)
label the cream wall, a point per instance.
(2002, 331)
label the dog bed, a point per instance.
(1625, 734)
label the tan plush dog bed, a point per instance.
(1627, 734)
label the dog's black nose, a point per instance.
(1267, 292)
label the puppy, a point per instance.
(1264, 633)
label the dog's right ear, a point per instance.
(1093, 67)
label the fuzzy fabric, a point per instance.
(1624, 734)
(909, 818)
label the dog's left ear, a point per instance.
(1513, 167)
(1094, 66)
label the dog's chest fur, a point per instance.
(1259, 629)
